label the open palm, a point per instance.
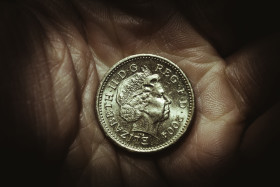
(53, 57)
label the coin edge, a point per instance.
(161, 146)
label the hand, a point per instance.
(54, 53)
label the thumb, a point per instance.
(253, 72)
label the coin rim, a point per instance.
(116, 139)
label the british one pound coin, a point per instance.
(145, 103)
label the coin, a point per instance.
(145, 103)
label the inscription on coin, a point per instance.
(145, 103)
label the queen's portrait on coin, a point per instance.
(142, 101)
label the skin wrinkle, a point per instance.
(47, 127)
(170, 39)
(223, 121)
(100, 155)
(212, 107)
(81, 58)
(232, 76)
(90, 76)
(57, 45)
(117, 43)
(78, 61)
(101, 69)
(190, 66)
(116, 36)
(198, 148)
(82, 73)
(99, 143)
(103, 43)
(211, 71)
(64, 31)
(80, 20)
(41, 109)
(87, 116)
(204, 55)
(60, 117)
(131, 164)
(121, 170)
(193, 146)
(167, 44)
(96, 145)
(73, 37)
(74, 147)
(198, 164)
(71, 162)
(59, 72)
(91, 134)
(117, 165)
(196, 167)
(188, 54)
(61, 59)
(177, 165)
(90, 166)
(161, 174)
(238, 97)
(47, 117)
(198, 51)
(202, 97)
(79, 154)
(86, 121)
(150, 167)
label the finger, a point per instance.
(89, 153)
(253, 73)
(254, 76)
(38, 89)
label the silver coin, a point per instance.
(145, 103)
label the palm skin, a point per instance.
(60, 53)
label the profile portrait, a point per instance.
(143, 102)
